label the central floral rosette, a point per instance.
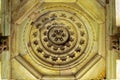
(58, 35)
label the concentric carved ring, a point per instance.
(58, 37)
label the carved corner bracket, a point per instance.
(107, 1)
(115, 42)
(3, 43)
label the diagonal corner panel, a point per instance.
(93, 69)
(94, 9)
(24, 10)
(19, 72)
(29, 67)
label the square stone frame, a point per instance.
(110, 30)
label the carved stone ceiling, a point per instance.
(59, 39)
